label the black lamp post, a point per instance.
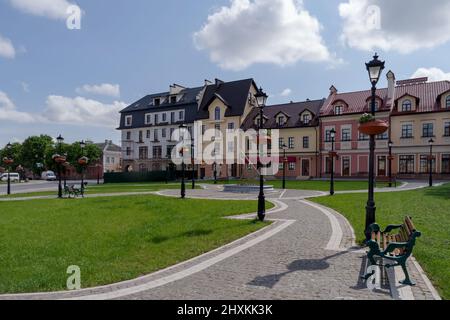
(193, 165)
(59, 160)
(332, 155)
(390, 144)
(430, 163)
(183, 185)
(82, 163)
(374, 67)
(8, 161)
(215, 172)
(261, 99)
(284, 165)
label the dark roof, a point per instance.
(234, 94)
(111, 146)
(293, 110)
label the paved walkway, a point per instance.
(306, 253)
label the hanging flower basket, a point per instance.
(373, 127)
(391, 157)
(59, 159)
(83, 161)
(333, 154)
(7, 161)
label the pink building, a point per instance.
(341, 112)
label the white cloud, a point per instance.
(7, 49)
(281, 32)
(433, 74)
(9, 112)
(401, 25)
(286, 92)
(82, 111)
(105, 89)
(53, 9)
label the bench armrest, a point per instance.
(394, 245)
(392, 227)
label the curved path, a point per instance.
(306, 253)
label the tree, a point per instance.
(15, 153)
(34, 149)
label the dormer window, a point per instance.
(281, 121)
(407, 105)
(157, 101)
(306, 118)
(128, 121)
(447, 102)
(257, 120)
(173, 99)
(338, 110)
(377, 106)
(217, 114)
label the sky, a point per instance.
(69, 76)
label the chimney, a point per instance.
(218, 82)
(333, 90)
(391, 88)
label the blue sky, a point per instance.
(138, 47)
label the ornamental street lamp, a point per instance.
(193, 164)
(8, 161)
(183, 185)
(59, 161)
(374, 68)
(83, 162)
(215, 172)
(390, 144)
(261, 99)
(332, 155)
(285, 160)
(430, 163)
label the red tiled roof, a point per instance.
(426, 92)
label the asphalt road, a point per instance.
(36, 186)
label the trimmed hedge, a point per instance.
(152, 176)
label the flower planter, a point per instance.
(391, 158)
(332, 154)
(83, 161)
(373, 128)
(7, 161)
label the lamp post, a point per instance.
(8, 161)
(98, 173)
(59, 160)
(183, 185)
(215, 172)
(82, 161)
(284, 146)
(333, 155)
(430, 163)
(374, 67)
(193, 165)
(261, 99)
(390, 144)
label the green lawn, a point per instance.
(318, 185)
(430, 209)
(110, 239)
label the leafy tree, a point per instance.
(15, 153)
(34, 149)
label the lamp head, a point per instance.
(375, 67)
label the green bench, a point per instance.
(395, 247)
(72, 190)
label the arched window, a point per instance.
(447, 102)
(217, 114)
(406, 106)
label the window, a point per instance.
(281, 142)
(155, 135)
(128, 151)
(156, 118)
(346, 134)
(406, 106)
(447, 129)
(172, 117)
(231, 146)
(425, 164)
(128, 135)
(113, 160)
(291, 143)
(328, 135)
(338, 110)
(157, 152)
(407, 131)
(141, 137)
(163, 132)
(173, 99)
(281, 121)
(108, 161)
(383, 136)
(217, 114)
(181, 115)
(148, 118)
(427, 130)
(128, 121)
(406, 164)
(369, 106)
(231, 126)
(291, 166)
(363, 137)
(306, 118)
(169, 151)
(305, 142)
(157, 101)
(446, 163)
(143, 153)
(164, 117)
(148, 134)
(447, 102)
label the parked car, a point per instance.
(13, 176)
(48, 175)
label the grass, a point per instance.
(430, 209)
(110, 239)
(319, 185)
